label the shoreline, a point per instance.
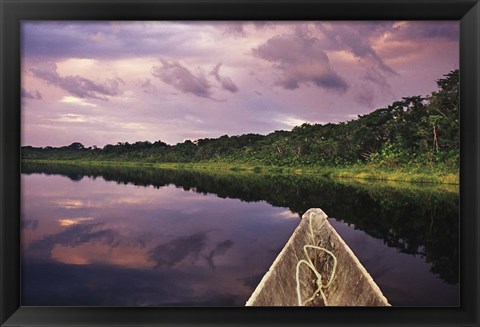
(363, 172)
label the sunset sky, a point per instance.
(108, 82)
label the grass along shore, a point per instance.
(370, 172)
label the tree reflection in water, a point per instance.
(417, 219)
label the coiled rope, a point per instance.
(309, 263)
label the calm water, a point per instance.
(145, 237)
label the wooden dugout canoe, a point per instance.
(351, 284)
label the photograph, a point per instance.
(221, 163)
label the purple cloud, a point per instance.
(35, 95)
(349, 59)
(356, 39)
(225, 81)
(182, 79)
(235, 30)
(365, 95)
(426, 30)
(239, 29)
(147, 86)
(373, 75)
(228, 29)
(300, 59)
(259, 25)
(76, 85)
(55, 41)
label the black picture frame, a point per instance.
(14, 11)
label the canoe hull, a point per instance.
(351, 285)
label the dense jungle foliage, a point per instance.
(413, 132)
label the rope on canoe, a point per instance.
(311, 266)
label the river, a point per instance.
(119, 236)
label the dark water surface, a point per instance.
(146, 237)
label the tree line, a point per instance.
(416, 130)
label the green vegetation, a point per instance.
(414, 139)
(364, 171)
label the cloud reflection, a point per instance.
(29, 224)
(74, 235)
(220, 249)
(67, 222)
(173, 252)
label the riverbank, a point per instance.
(370, 172)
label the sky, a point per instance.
(102, 83)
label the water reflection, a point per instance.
(134, 246)
(404, 278)
(190, 230)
